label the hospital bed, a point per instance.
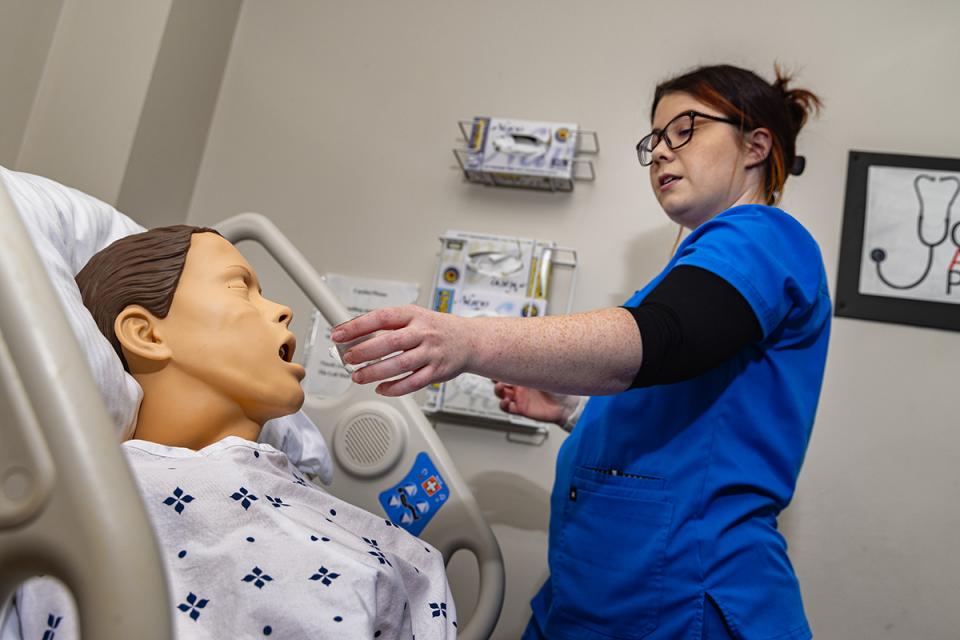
(69, 507)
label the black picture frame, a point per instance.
(850, 302)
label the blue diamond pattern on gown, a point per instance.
(52, 622)
(379, 556)
(325, 576)
(193, 605)
(277, 502)
(178, 499)
(257, 577)
(244, 497)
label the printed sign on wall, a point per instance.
(900, 251)
(325, 376)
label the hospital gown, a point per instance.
(252, 549)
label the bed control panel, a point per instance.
(413, 501)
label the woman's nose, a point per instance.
(662, 151)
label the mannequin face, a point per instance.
(229, 342)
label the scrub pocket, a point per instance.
(607, 573)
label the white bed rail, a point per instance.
(459, 523)
(69, 507)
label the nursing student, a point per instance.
(703, 386)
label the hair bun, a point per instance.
(800, 103)
(799, 164)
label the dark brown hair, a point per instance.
(745, 96)
(141, 269)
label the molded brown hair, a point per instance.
(141, 269)
(745, 96)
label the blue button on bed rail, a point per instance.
(413, 501)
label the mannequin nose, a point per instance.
(283, 315)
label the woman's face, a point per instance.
(707, 175)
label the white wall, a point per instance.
(337, 120)
(26, 30)
(113, 97)
(88, 104)
(172, 128)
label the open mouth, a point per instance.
(667, 178)
(287, 348)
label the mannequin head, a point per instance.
(185, 313)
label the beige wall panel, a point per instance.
(172, 131)
(26, 30)
(94, 85)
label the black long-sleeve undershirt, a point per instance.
(692, 321)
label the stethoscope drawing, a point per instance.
(878, 255)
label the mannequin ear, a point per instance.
(757, 145)
(136, 330)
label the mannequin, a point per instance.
(250, 547)
(185, 313)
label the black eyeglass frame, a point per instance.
(662, 133)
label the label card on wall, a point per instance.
(324, 376)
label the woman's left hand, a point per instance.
(432, 346)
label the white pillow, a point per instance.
(68, 227)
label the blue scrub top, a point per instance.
(668, 495)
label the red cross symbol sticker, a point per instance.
(430, 485)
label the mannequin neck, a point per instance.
(180, 411)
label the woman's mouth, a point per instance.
(667, 180)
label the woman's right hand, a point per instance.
(535, 404)
(435, 347)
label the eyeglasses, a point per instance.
(677, 133)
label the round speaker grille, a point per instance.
(366, 439)
(369, 439)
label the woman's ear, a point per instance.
(137, 331)
(757, 146)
